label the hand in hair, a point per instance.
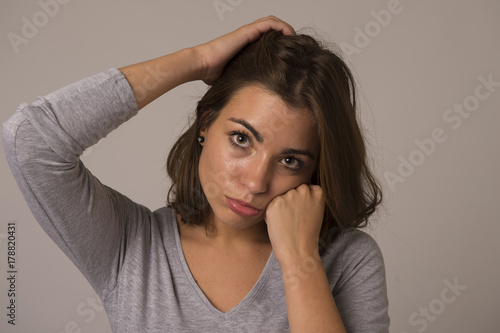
(215, 54)
(152, 78)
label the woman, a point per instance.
(267, 187)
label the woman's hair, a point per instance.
(304, 74)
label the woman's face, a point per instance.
(257, 148)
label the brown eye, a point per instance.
(291, 163)
(241, 140)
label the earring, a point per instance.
(201, 139)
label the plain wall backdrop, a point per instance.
(429, 74)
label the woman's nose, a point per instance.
(257, 175)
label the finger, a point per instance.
(278, 25)
(263, 25)
(317, 193)
(304, 188)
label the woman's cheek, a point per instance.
(218, 170)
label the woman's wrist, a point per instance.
(194, 64)
(152, 78)
(293, 259)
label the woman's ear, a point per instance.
(201, 136)
(205, 119)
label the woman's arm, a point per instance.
(310, 304)
(294, 221)
(43, 142)
(358, 301)
(359, 295)
(151, 79)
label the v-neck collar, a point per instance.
(247, 300)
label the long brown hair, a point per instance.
(305, 74)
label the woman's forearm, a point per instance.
(309, 301)
(151, 79)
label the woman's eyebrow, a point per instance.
(292, 151)
(249, 127)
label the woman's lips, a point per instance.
(242, 208)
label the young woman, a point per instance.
(268, 186)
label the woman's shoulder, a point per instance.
(352, 240)
(355, 269)
(165, 216)
(352, 250)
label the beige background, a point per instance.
(440, 224)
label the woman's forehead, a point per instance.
(265, 108)
(269, 116)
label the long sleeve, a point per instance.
(43, 141)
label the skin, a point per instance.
(234, 164)
(228, 265)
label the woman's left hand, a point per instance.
(294, 222)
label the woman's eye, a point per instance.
(241, 140)
(291, 162)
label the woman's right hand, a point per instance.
(214, 55)
(152, 78)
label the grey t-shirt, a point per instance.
(132, 256)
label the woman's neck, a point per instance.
(221, 235)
